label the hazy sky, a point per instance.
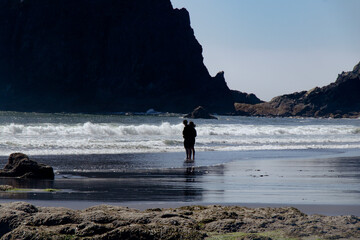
(275, 47)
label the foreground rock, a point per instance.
(4, 188)
(340, 99)
(200, 112)
(21, 220)
(19, 165)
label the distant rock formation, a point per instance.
(200, 112)
(241, 97)
(19, 165)
(103, 56)
(339, 99)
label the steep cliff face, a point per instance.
(103, 56)
(339, 99)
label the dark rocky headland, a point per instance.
(103, 56)
(19, 220)
(340, 99)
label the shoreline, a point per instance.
(257, 195)
(315, 182)
(324, 182)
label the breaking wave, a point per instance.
(144, 136)
(90, 129)
(356, 131)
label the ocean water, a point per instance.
(139, 160)
(68, 134)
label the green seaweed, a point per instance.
(19, 190)
(69, 237)
(274, 235)
(51, 190)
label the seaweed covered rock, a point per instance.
(21, 220)
(19, 165)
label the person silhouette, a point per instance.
(186, 136)
(192, 136)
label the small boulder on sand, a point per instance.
(200, 112)
(20, 166)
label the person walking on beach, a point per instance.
(189, 134)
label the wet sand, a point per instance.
(314, 181)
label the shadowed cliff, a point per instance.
(103, 56)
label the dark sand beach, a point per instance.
(258, 183)
(326, 184)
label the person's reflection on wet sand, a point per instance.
(190, 174)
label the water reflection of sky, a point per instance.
(296, 181)
(278, 177)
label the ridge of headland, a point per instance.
(340, 99)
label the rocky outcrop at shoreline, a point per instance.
(340, 99)
(20, 166)
(19, 220)
(200, 112)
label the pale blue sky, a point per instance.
(275, 47)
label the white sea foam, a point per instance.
(89, 129)
(151, 135)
